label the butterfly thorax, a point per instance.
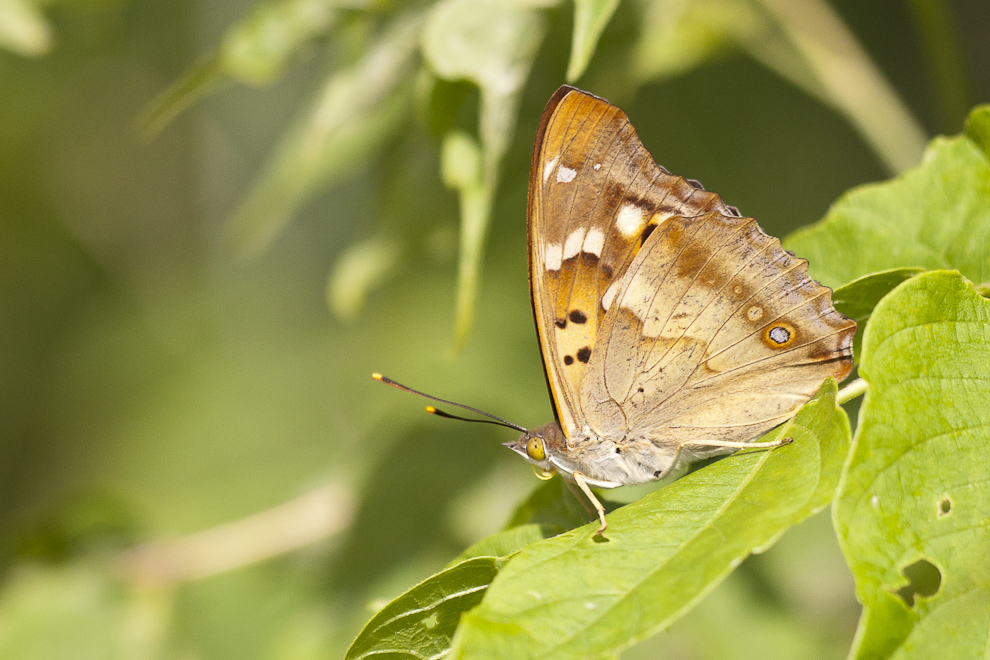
(603, 461)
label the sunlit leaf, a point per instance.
(24, 29)
(912, 510)
(590, 19)
(421, 622)
(507, 542)
(934, 216)
(571, 596)
(357, 112)
(858, 298)
(491, 43)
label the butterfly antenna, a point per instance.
(492, 419)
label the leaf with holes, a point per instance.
(913, 509)
(934, 216)
(571, 596)
(420, 622)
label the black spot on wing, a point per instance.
(560, 323)
(584, 354)
(577, 316)
(568, 360)
(647, 230)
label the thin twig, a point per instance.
(276, 531)
(851, 391)
(849, 80)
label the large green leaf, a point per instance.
(913, 510)
(934, 216)
(491, 43)
(575, 596)
(858, 298)
(420, 622)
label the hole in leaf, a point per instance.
(945, 507)
(431, 621)
(924, 580)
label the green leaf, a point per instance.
(357, 112)
(491, 43)
(934, 216)
(912, 508)
(507, 542)
(858, 298)
(553, 506)
(978, 128)
(460, 162)
(257, 49)
(361, 269)
(590, 19)
(421, 622)
(571, 596)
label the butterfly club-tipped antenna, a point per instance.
(492, 419)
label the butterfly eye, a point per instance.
(534, 447)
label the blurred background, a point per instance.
(218, 217)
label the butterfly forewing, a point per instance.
(595, 196)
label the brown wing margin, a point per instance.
(534, 182)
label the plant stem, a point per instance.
(849, 81)
(851, 391)
(940, 45)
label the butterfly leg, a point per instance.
(673, 463)
(583, 485)
(744, 445)
(582, 500)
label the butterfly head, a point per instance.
(536, 446)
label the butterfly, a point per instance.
(671, 327)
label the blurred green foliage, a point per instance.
(184, 185)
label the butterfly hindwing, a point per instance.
(596, 195)
(715, 333)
